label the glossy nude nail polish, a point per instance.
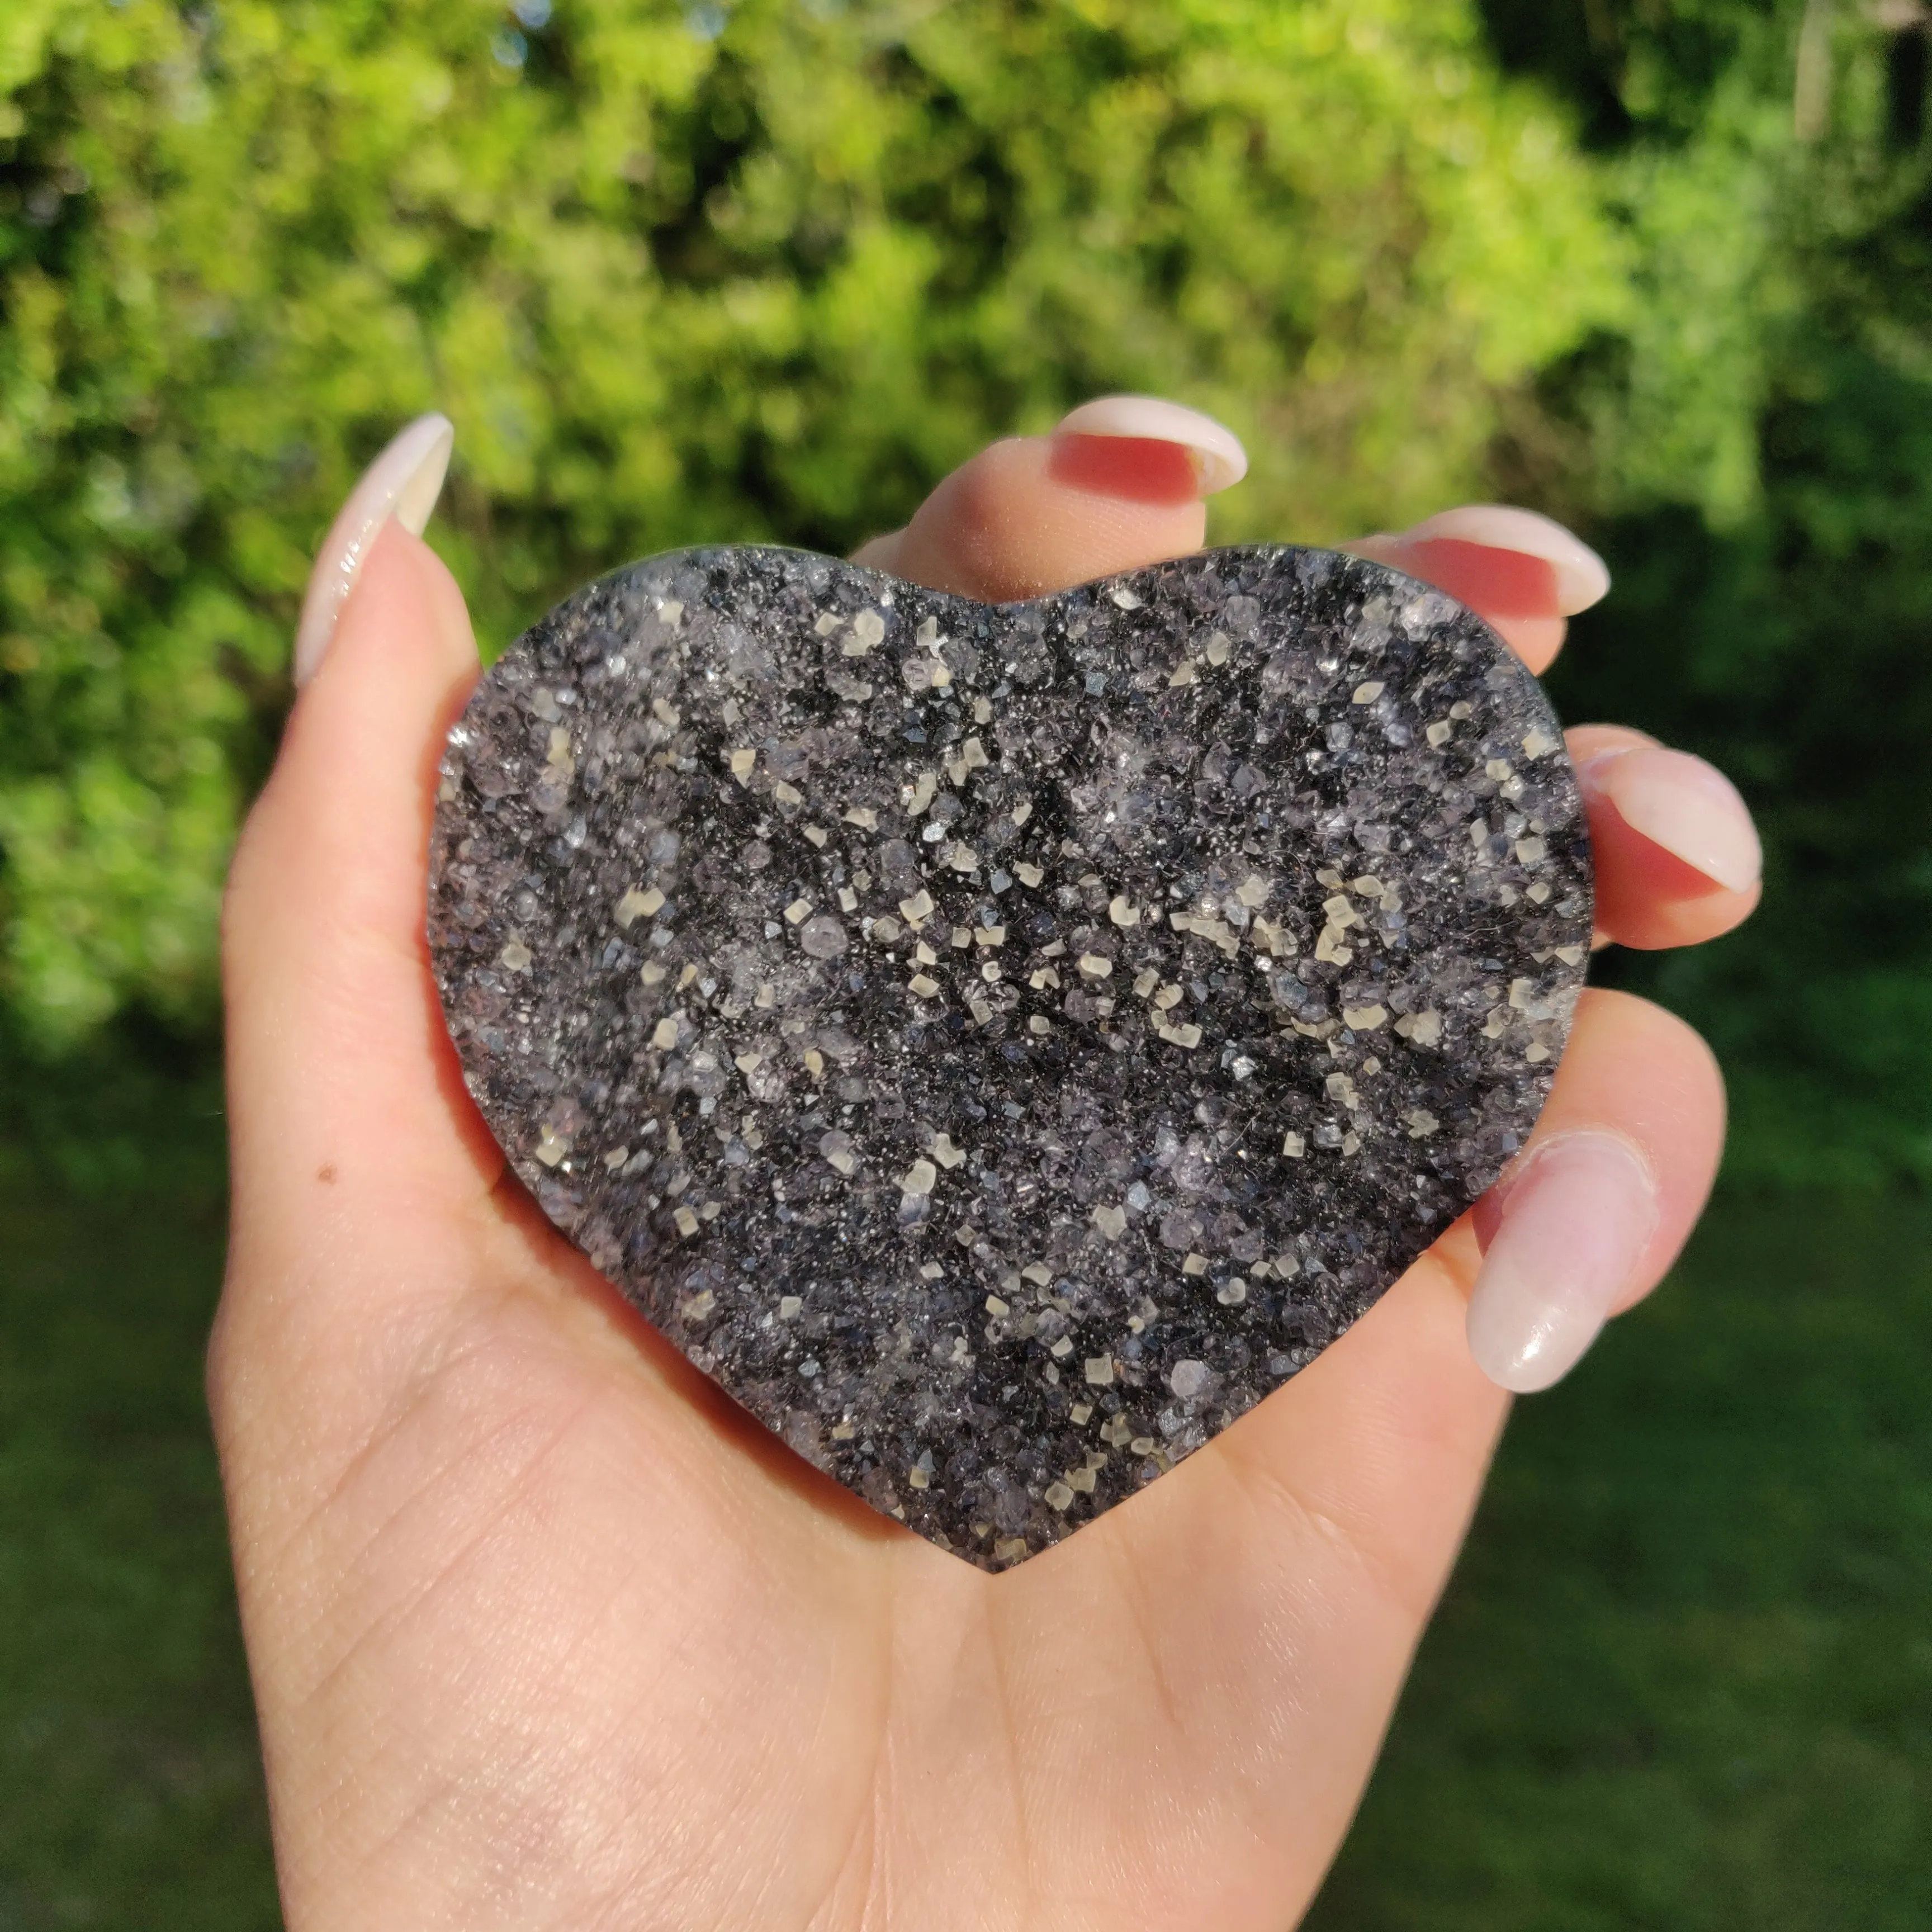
(1576, 1219)
(403, 483)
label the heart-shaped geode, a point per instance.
(999, 1044)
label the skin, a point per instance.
(545, 1634)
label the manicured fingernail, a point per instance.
(1576, 1221)
(1215, 451)
(1582, 576)
(1679, 802)
(404, 482)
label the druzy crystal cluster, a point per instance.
(1000, 1044)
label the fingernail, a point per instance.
(1218, 457)
(1576, 1221)
(1679, 802)
(404, 482)
(1582, 577)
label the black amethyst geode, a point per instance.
(999, 1044)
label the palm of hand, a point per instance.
(544, 1632)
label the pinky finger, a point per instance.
(1586, 1221)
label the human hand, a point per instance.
(544, 1632)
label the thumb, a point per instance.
(347, 1113)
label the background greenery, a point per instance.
(1663, 267)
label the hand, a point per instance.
(544, 1632)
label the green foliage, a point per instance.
(1687, 104)
(1794, 651)
(130, 1779)
(1762, 472)
(676, 275)
(1771, 180)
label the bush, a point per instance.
(676, 275)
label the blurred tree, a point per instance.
(1774, 607)
(678, 274)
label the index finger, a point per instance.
(1119, 485)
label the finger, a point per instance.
(347, 1112)
(1586, 1221)
(1677, 856)
(1119, 485)
(1523, 573)
(325, 954)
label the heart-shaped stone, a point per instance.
(999, 1044)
